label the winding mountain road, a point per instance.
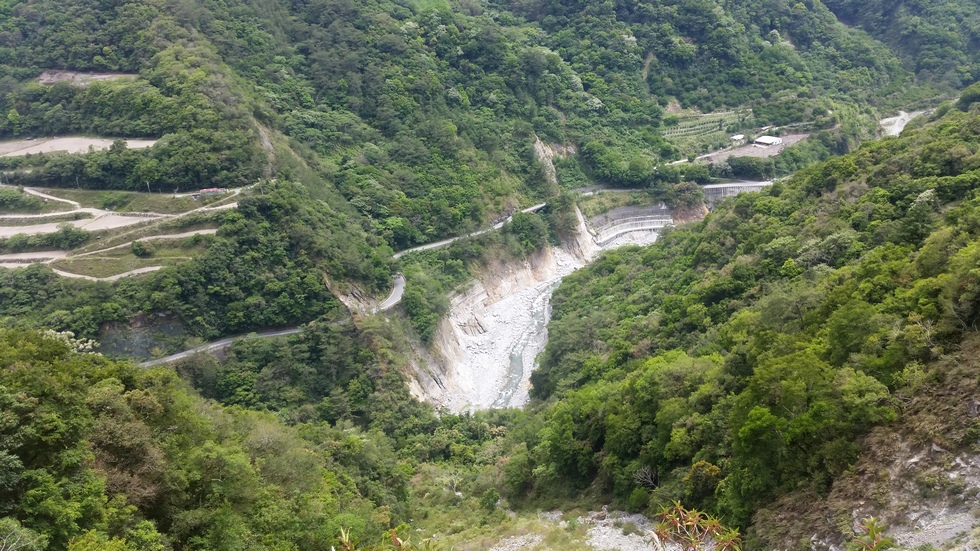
(100, 219)
(211, 231)
(399, 282)
(20, 260)
(394, 298)
(221, 343)
(397, 291)
(451, 240)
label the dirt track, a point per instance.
(137, 271)
(153, 238)
(75, 144)
(78, 78)
(100, 220)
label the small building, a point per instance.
(211, 191)
(738, 139)
(767, 141)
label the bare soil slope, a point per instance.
(78, 78)
(76, 144)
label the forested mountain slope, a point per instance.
(938, 41)
(741, 358)
(737, 363)
(420, 113)
(735, 366)
(266, 269)
(410, 121)
(103, 455)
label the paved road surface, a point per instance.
(398, 289)
(451, 240)
(223, 343)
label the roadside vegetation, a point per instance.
(65, 238)
(141, 254)
(428, 149)
(270, 258)
(15, 201)
(740, 372)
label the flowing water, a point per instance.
(523, 353)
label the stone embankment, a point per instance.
(714, 193)
(606, 227)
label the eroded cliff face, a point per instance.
(484, 350)
(546, 154)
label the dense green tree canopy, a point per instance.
(98, 451)
(799, 311)
(734, 362)
(937, 41)
(421, 114)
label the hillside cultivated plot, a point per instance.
(704, 124)
(694, 133)
(76, 144)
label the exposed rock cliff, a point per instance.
(484, 350)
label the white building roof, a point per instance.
(738, 137)
(768, 140)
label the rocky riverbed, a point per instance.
(605, 531)
(487, 347)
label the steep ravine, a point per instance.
(485, 349)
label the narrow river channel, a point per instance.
(492, 340)
(524, 352)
